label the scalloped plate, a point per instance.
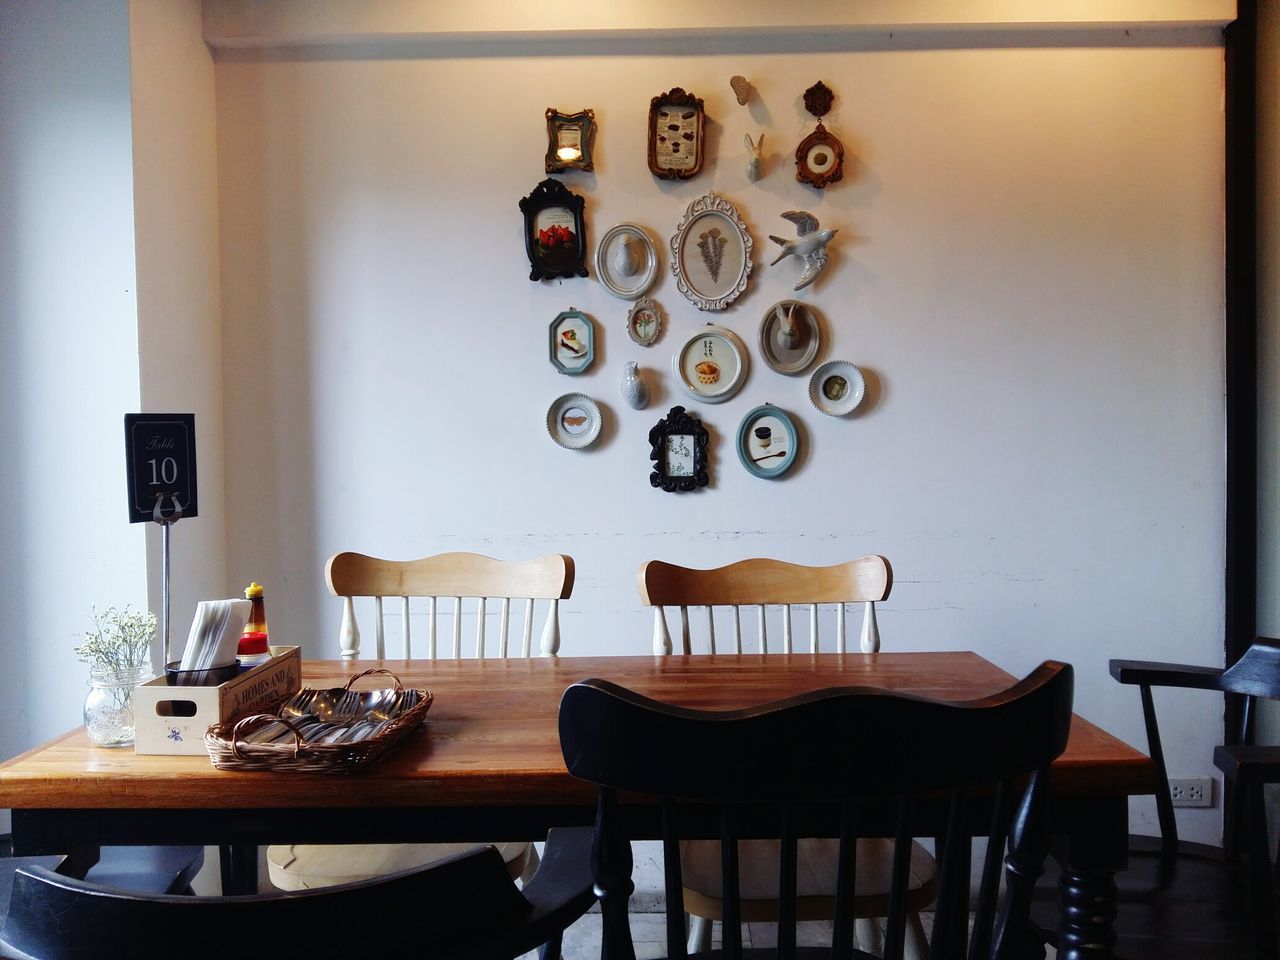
(836, 388)
(574, 421)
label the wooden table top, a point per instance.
(491, 736)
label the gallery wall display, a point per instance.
(711, 364)
(572, 342)
(678, 449)
(644, 321)
(767, 442)
(790, 337)
(574, 421)
(820, 156)
(676, 135)
(554, 233)
(809, 246)
(626, 261)
(569, 140)
(711, 253)
(836, 388)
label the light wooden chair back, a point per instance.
(452, 575)
(761, 583)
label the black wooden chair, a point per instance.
(1245, 766)
(845, 762)
(463, 907)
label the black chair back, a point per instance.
(844, 763)
(465, 906)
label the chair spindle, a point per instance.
(404, 625)
(711, 630)
(989, 886)
(526, 642)
(813, 628)
(550, 644)
(870, 630)
(661, 636)
(431, 628)
(896, 924)
(786, 628)
(840, 642)
(731, 922)
(737, 629)
(846, 885)
(611, 866)
(457, 627)
(951, 914)
(380, 642)
(349, 634)
(764, 636)
(673, 882)
(684, 631)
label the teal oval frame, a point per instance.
(793, 438)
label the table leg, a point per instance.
(239, 863)
(1096, 847)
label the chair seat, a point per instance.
(815, 877)
(309, 866)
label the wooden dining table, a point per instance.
(487, 763)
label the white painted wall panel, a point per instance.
(1029, 269)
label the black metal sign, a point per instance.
(160, 453)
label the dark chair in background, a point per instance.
(463, 907)
(141, 869)
(763, 772)
(1245, 767)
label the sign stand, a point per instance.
(160, 460)
(165, 523)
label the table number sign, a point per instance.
(160, 455)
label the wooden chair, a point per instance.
(451, 575)
(466, 906)
(761, 583)
(798, 768)
(1256, 674)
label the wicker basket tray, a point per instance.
(230, 748)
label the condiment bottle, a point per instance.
(253, 650)
(257, 610)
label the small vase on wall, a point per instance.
(634, 390)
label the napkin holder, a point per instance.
(172, 720)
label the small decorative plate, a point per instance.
(790, 337)
(836, 388)
(767, 442)
(626, 261)
(572, 342)
(574, 421)
(711, 364)
(644, 322)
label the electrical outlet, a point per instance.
(1192, 791)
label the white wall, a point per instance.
(69, 363)
(179, 312)
(1029, 269)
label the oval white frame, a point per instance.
(704, 292)
(626, 288)
(740, 353)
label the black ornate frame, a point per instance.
(560, 258)
(678, 421)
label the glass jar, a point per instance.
(108, 708)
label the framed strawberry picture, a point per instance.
(554, 232)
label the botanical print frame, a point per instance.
(678, 449)
(676, 135)
(644, 321)
(711, 253)
(626, 261)
(570, 137)
(768, 442)
(572, 342)
(555, 236)
(711, 364)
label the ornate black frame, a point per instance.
(543, 264)
(678, 421)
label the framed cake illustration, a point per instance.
(711, 364)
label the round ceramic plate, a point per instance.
(711, 364)
(767, 442)
(626, 261)
(790, 337)
(574, 421)
(836, 388)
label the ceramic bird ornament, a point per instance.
(810, 245)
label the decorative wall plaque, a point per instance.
(569, 140)
(711, 253)
(820, 156)
(675, 135)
